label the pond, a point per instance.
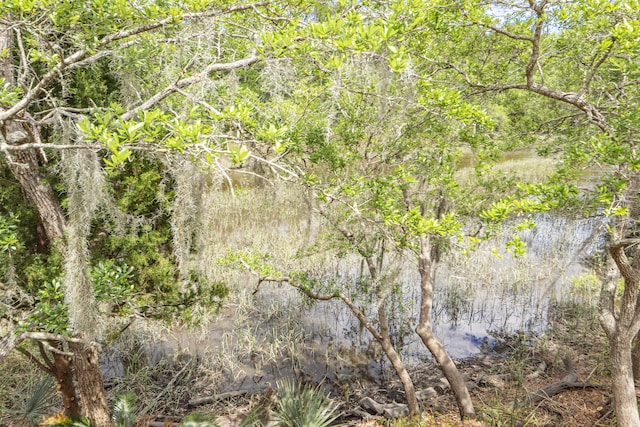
(259, 337)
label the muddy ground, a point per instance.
(503, 381)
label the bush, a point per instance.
(304, 406)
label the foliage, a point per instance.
(112, 54)
(198, 420)
(8, 239)
(61, 420)
(586, 287)
(49, 313)
(124, 410)
(36, 401)
(374, 105)
(112, 283)
(301, 405)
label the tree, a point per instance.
(580, 61)
(50, 101)
(379, 142)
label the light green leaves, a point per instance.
(421, 226)
(251, 260)
(239, 153)
(517, 246)
(274, 135)
(153, 127)
(507, 207)
(398, 60)
(9, 240)
(8, 94)
(617, 211)
(117, 158)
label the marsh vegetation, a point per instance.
(489, 306)
(309, 213)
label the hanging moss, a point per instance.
(86, 193)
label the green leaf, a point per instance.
(239, 153)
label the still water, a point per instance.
(260, 337)
(275, 332)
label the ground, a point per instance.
(501, 377)
(498, 379)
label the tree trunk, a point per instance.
(85, 362)
(86, 366)
(64, 377)
(425, 331)
(403, 375)
(24, 165)
(624, 391)
(398, 365)
(619, 318)
(635, 356)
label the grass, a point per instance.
(523, 165)
(26, 394)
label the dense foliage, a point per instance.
(120, 121)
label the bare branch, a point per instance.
(274, 165)
(12, 340)
(52, 349)
(589, 77)
(362, 318)
(269, 18)
(35, 361)
(507, 33)
(44, 356)
(535, 45)
(631, 276)
(210, 69)
(593, 113)
(24, 68)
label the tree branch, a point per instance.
(35, 361)
(589, 77)
(44, 356)
(535, 44)
(594, 115)
(631, 277)
(84, 55)
(175, 87)
(24, 69)
(362, 318)
(11, 340)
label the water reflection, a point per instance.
(479, 296)
(476, 295)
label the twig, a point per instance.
(35, 361)
(168, 386)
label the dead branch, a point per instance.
(215, 398)
(570, 381)
(36, 362)
(11, 340)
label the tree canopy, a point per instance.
(117, 119)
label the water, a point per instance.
(476, 295)
(275, 332)
(261, 337)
